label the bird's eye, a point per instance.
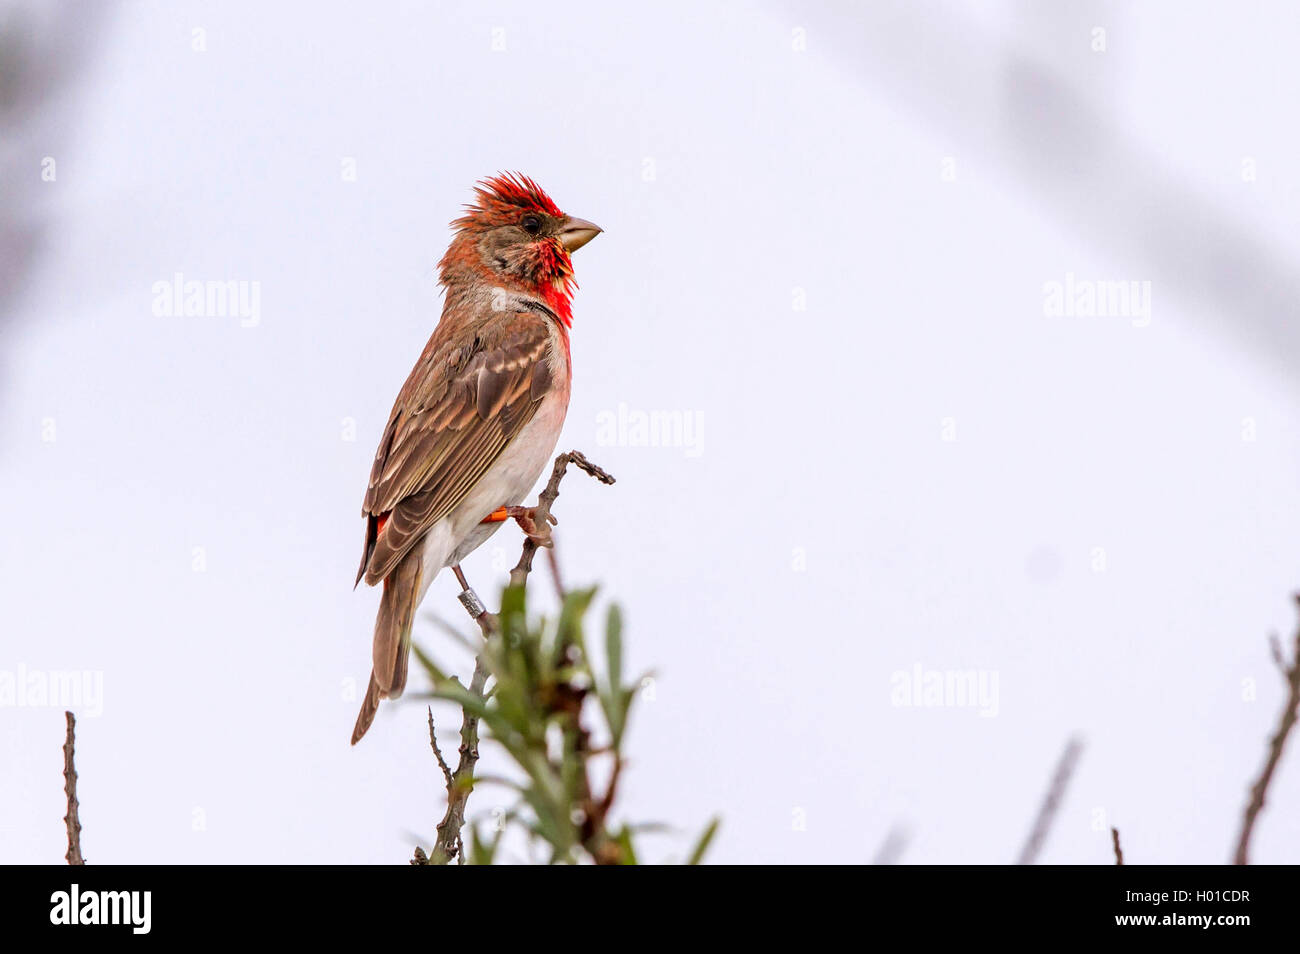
(531, 224)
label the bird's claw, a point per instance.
(526, 517)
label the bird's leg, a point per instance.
(468, 598)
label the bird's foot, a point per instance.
(526, 517)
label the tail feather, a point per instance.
(392, 638)
(369, 706)
(393, 625)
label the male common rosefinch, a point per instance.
(479, 416)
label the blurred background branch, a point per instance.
(43, 49)
(1051, 802)
(1063, 145)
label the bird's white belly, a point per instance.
(505, 484)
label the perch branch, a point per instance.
(1114, 840)
(461, 782)
(1258, 791)
(70, 787)
(544, 503)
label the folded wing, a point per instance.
(460, 408)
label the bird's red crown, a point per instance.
(499, 199)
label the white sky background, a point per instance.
(824, 537)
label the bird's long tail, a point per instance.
(392, 638)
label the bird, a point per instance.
(480, 414)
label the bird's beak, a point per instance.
(577, 233)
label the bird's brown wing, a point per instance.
(465, 400)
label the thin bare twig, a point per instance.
(546, 500)
(1258, 791)
(437, 752)
(1114, 840)
(461, 782)
(1051, 802)
(449, 845)
(70, 787)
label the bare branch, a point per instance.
(1258, 791)
(437, 752)
(1114, 840)
(546, 500)
(461, 782)
(70, 787)
(1051, 802)
(449, 844)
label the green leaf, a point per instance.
(702, 845)
(614, 645)
(481, 852)
(569, 631)
(629, 850)
(435, 674)
(498, 780)
(514, 605)
(455, 692)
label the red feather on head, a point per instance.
(501, 197)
